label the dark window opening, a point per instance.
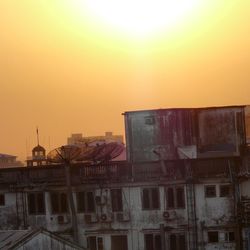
(225, 191)
(170, 197)
(150, 198)
(180, 197)
(175, 197)
(155, 198)
(152, 242)
(182, 242)
(213, 236)
(59, 203)
(85, 202)
(172, 242)
(145, 199)
(149, 120)
(210, 191)
(119, 242)
(36, 203)
(177, 242)
(229, 237)
(116, 200)
(95, 243)
(2, 199)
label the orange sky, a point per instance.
(64, 74)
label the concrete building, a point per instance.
(9, 161)
(78, 138)
(185, 186)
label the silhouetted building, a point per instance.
(38, 157)
(9, 161)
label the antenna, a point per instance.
(37, 135)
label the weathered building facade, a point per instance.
(185, 186)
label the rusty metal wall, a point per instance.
(160, 134)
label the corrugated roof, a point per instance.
(10, 237)
(188, 108)
(13, 239)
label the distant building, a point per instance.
(80, 139)
(9, 161)
(38, 157)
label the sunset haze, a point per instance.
(66, 73)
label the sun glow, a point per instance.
(139, 18)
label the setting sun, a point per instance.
(137, 18)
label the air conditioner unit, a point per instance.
(247, 207)
(122, 216)
(100, 200)
(107, 217)
(169, 215)
(63, 219)
(90, 218)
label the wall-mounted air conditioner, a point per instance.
(63, 219)
(169, 215)
(107, 217)
(90, 218)
(122, 216)
(100, 200)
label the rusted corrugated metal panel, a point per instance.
(150, 133)
(221, 132)
(171, 134)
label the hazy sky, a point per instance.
(64, 72)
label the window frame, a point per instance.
(176, 204)
(2, 199)
(207, 195)
(59, 201)
(229, 190)
(227, 236)
(154, 241)
(209, 237)
(99, 242)
(150, 196)
(116, 199)
(36, 203)
(178, 236)
(86, 203)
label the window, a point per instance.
(210, 191)
(149, 120)
(170, 198)
(152, 242)
(95, 243)
(213, 236)
(116, 200)
(150, 198)
(180, 197)
(36, 203)
(59, 203)
(119, 242)
(175, 197)
(229, 237)
(225, 191)
(2, 199)
(177, 242)
(85, 202)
